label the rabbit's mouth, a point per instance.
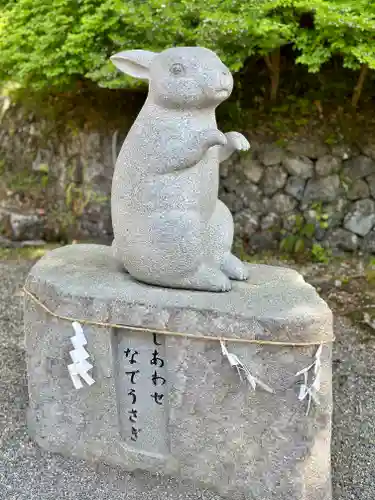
(219, 93)
(223, 91)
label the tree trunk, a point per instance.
(273, 64)
(359, 87)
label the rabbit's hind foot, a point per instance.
(234, 268)
(206, 278)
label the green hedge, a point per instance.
(50, 45)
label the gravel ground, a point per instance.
(27, 473)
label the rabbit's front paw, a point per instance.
(213, 137)
(237, 141)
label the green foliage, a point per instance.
(27, 253)
(50, 45)
(300, 232)
(370, 272)
(299, 240)
(320, 254)
(342, 27)
(22, 181)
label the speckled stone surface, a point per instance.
(170, 228)
(204, 425)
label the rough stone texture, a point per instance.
(246, 223)
(369, 242)
(371, 183)
(337, 176)
(361, 217)
(265, 240)
(300, 167)
(232, 183)
(270, 221)
(344, 151)
(282, 203)
(327, 165)
(342, 239)
(271, 155)
(358, 190)
(18, 226)
(359, 167)
(273, 180)
(7, 243)
(252, 169)
(323, 189)
(250, 196)
(310, 148)
(169, 227)
(212, 429)
(233, 165)
(73, 156)
(368, 150)
(232, 200)
(312, 217)
(295, 187)
(336, 212)
(28, 472)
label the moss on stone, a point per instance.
(27, 253)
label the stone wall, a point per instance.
(67, 172)
(304, 177)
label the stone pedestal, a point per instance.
(173, 404)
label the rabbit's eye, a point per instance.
(177, 69)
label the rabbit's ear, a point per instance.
(134, 62)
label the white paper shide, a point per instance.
(235, 362)
(309, 391)
(80, 367)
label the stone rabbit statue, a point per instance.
(170, 228)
